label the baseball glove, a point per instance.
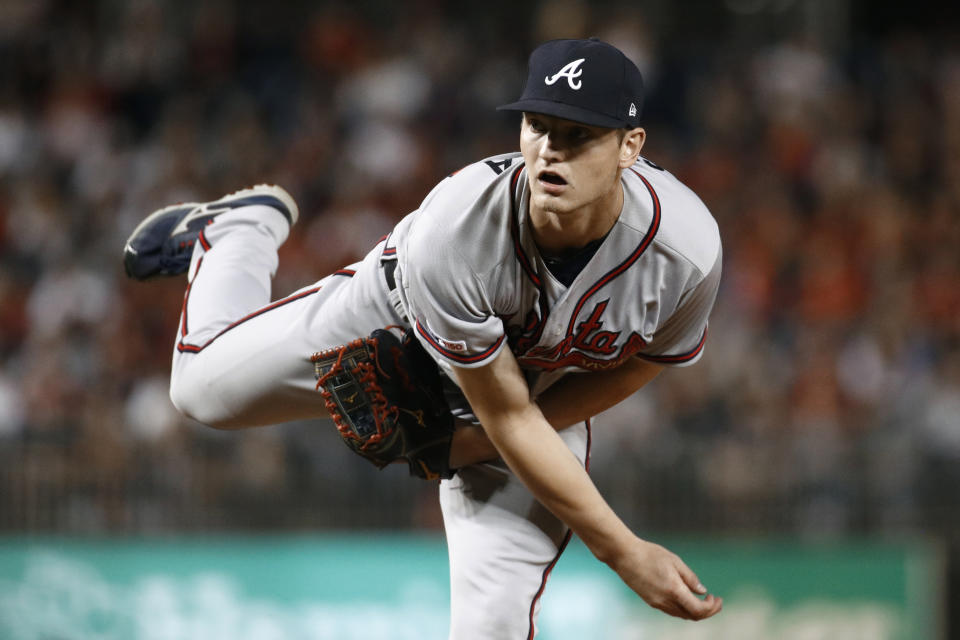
(385, 397)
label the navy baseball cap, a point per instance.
(587, 81)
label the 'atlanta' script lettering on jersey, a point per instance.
(589, 347)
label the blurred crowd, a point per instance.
(828, 400)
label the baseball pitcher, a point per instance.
(527, 293)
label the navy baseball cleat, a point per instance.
(162, 244)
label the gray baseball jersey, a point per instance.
(473, 282)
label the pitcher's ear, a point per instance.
(630, 146)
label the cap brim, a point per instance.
(565, 111)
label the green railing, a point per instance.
(365, 586)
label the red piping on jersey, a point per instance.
(203, 240)
(387, 249)
(560, 550)
(192, 348)
(521, 256)
(456, 356)
(682, 357)
(623, 266)
(186, 297)
(586, 464)
(184, 347)
(528, 270)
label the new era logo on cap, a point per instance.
(586, 81)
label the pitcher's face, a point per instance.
(571, 166)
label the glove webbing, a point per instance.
(384, 416)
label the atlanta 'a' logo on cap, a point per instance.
(571, 71)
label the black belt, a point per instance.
(389, 267)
